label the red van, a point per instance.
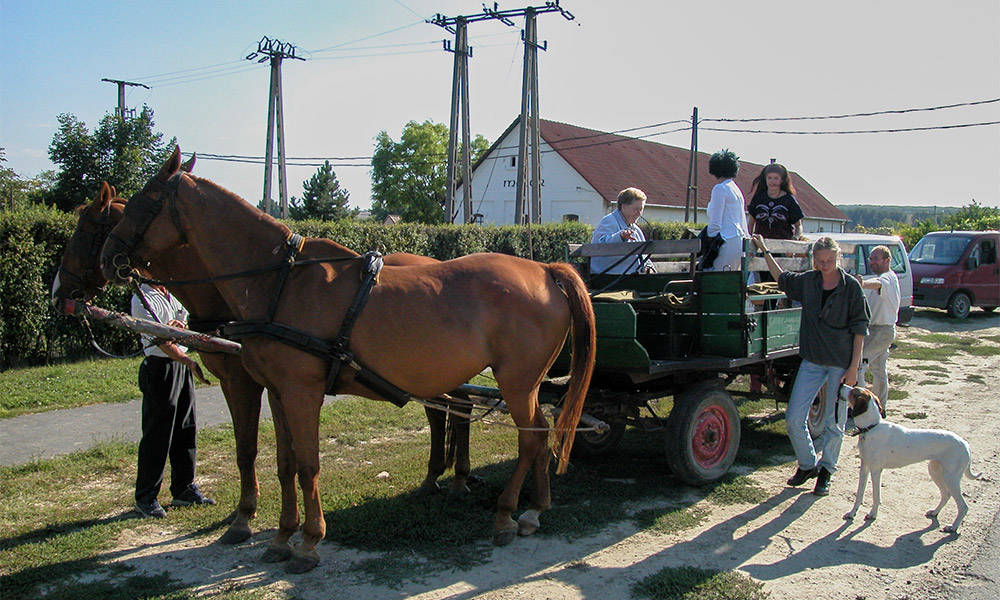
(956, 270)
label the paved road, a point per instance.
(48, 434)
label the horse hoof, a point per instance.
(458, 491)
(301, 563)
(528, 523)
(275, 554)
(235, 535)
(502, 538)
(428, 488)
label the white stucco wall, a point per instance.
(564, 191)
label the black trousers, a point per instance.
(168, 427)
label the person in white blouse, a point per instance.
(620, 226)
(726, 214)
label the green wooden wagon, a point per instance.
(688, 334)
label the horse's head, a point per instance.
(151, 223)
(79, 276)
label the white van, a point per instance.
(859, 246)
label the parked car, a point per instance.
(859, 245)
(957, 270)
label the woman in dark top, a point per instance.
(774, 212)
(833, 326)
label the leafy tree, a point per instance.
(18, 192)
(409, 176)
(322, 198)
(125, 153)
(971, 217)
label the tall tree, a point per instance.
(322, 198)
(126, 153)
(409, 176)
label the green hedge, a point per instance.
(32, 243)
(31, 332)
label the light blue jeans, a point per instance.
(808, 382)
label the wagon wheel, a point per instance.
(703, 434)
(817, 410)
(817, 414)
(596, 443)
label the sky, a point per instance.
(376, 65)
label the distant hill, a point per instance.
(872, 216)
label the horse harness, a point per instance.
(337, 351)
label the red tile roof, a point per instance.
(611, 162)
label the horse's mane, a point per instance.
(266, 217)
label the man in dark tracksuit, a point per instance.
(168, 410)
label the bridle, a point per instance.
(101, 228)
(142, 209)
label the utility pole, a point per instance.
(274, 51)
(122, 111)
(692, 187)
(459, 106)
(529, 103)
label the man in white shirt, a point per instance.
(168, 409)
(882, 293)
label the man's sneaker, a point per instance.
(191, 495)
(150, 509)
(801, 476)
(822, 483)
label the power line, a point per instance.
(864, 114)
(896, 130)
(368, 37)
(168, 73)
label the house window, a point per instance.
(571, 217)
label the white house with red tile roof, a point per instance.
(583, 170)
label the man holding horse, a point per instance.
(168, 409)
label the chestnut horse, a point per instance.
(426, 329)
(79, 276)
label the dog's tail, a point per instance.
(970, 474)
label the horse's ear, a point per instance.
(114, 192)
(104, 199)
(188, 165)
(172, 165)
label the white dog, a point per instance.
(885, 445)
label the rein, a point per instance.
(97, 347)
(247, 273)
(640, 247)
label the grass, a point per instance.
(976, 378)
(690, 583)
(934, 368)
(67, 385)
(913, 416)
(671, 520)
(939, 347)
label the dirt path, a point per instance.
(797, 544)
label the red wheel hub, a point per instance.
(710, 441)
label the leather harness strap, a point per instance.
(338, 351)
(294, 243)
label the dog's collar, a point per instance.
(863, 430)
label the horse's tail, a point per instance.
(584, 334)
